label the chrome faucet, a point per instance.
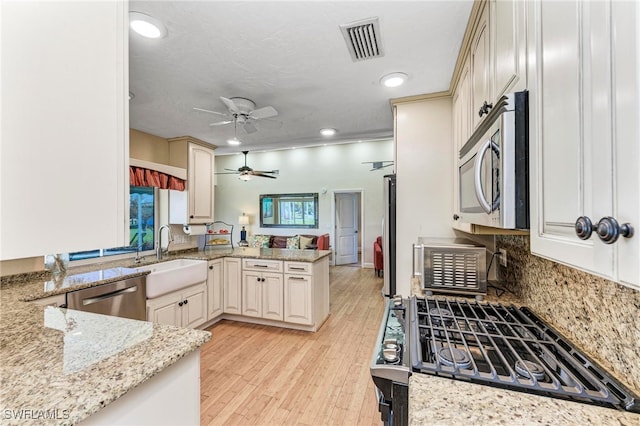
(159, 238)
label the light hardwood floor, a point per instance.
(258, 375)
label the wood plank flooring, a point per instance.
(259, 375)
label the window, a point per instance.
(289, 210)
(142, 213)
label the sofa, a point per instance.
(378, 259)
(301, 241)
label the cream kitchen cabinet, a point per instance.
(508, 47)
(481, 97)
(262, 289)
(198, 158)
(232, 293)
(215, 285)
(65, 115)
(584, 83)
(183, 308)
(306, 294)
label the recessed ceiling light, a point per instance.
(394, 79)
(327, 132)
(233, 141)
(147, 26)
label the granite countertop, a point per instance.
(70, 364)
(441, 401)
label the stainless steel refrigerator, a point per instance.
(389, 236)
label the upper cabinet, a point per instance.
(65, 122)
(481, 99)
(509, 48)
(198, 158)
(584, 83)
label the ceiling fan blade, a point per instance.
(264, 112)
(232, 170)
(226, 173)
(249, 127)
(210, 112)
(271, 172)
(230, 105)
(221, 123)
(255, 173)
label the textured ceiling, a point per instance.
(292, 56)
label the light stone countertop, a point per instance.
(442, 401)
(70, 364)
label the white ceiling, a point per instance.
(292, 56)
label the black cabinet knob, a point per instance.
(456, 217)
(211, 267)
(180, 304)
(484, 109)
(609, 230)
(191, 216)
(583, 227)
(186, 301)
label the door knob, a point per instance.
(609, 230)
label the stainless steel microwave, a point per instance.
(493, 168)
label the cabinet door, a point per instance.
(298, 299)
(165, 310)
(215, 279)
(194, 306)
(508, 40)
(200, 184)
(480, 71)
(252, 294)
(272, 297)
(571, 130)
(65, 132)
(232, 294)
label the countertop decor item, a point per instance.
(57, 264)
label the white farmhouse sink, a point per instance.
(166, 277)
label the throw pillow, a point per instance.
(293, 242)
(260, 241)
(305, 241)
(279, 241)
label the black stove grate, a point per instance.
(509, 347)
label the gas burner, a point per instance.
(527, 369)
(454, 357)
(390, 352)
(492, 318)
(438, 315)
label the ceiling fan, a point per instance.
(377, 165)
(242, 111)
(247, 172)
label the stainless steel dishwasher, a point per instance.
(126, 299)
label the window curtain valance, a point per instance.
(139, 176)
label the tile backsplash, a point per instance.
(600, 316)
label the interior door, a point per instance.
(346, 228)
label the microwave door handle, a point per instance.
(478, 176)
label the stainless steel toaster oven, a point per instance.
(450, 265)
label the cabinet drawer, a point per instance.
(297, 268)
(262, 265)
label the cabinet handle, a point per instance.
(609, 230)
(583, 227)
(258, 279)
(191, 216)
(456, 217)
(296, 278)
(263, 280)
(296, 268)
(186, 301)
(484, 109)
(261, 266)
(180, 304)
(211, 267)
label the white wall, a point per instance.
(330, 168)
(424, 168)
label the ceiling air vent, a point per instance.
(363, 39)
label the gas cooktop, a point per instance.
(508, 347)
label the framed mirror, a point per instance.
(289, 210)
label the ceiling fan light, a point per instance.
(394, 79)
(328, 132)
(147, 26)
(233, 141)
(245, 177)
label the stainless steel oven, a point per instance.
(493, 168)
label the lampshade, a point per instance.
(243, 220)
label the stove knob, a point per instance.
(390, 355)
(397, 301)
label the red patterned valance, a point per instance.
(139, 176)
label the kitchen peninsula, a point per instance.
(61, 366)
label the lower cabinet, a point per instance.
(232, 293)
(298, 299)
(215, 283)
(262, 295)
(184, 308)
